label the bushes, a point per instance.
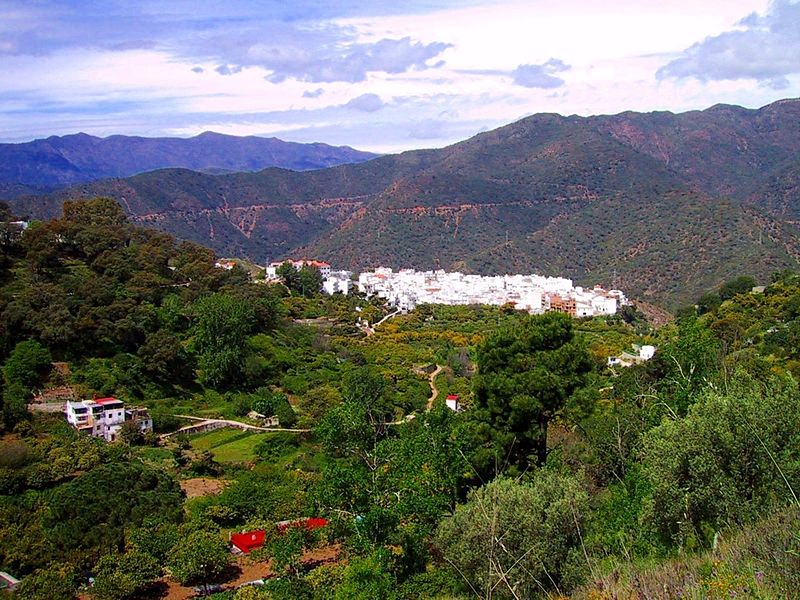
(760, 561)
(119, 576)
(201, 555)
(725, 461)
(516, 536)
(91, 512)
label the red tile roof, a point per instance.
(106, 400)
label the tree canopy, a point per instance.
(525, 377)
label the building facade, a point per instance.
(104, 417)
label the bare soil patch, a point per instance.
(243, 570)
(202, 486)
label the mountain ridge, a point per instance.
(545, 192)
(59, 161)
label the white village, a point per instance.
(406, 289)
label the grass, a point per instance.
(228, 445)
(760, 561)
(157, 457)
(239, 450)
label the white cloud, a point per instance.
(540, 76)
(764, 47)
(366, 103)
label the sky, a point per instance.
(379, 75)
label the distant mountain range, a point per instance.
(61, 161)
(662, 205)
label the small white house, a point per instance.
(103, 417)
(453, 402)
(626, 359)
(647, 352)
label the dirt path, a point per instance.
(386, 318)
(371, 330)
(200, 423)
(434, 389)
(431, 400)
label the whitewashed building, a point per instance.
(103, 417)
(407, 288)
(338, 281)
(627, 359)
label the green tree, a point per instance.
(354, 427)
(47, 585)
(92, 228)
(367, 578)
(739, 285)
(286, 549)
(104, 212)
(515, 539)
(163, 355)
(15, 401)
(268, 492)
(41, 244)
(155, 539)
(309, 281)
(270, 403)
(130, 433)
(424, 467)
(120, 576)
(222, 324)
(289, 275)
(708, 302)
(689, 362)
(201, 556)
(526, 375)
(123, 495)
(28, 362)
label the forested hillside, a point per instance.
(568, 196)
(561, 476)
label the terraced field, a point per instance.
(228, 445)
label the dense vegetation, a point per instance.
(561, 476)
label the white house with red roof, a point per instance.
(453, 402)
(103, 417)
(324, 268)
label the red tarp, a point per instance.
(311, 524)
(249, 540)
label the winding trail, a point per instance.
(434, 389)
(371, 330)
(386, 318)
